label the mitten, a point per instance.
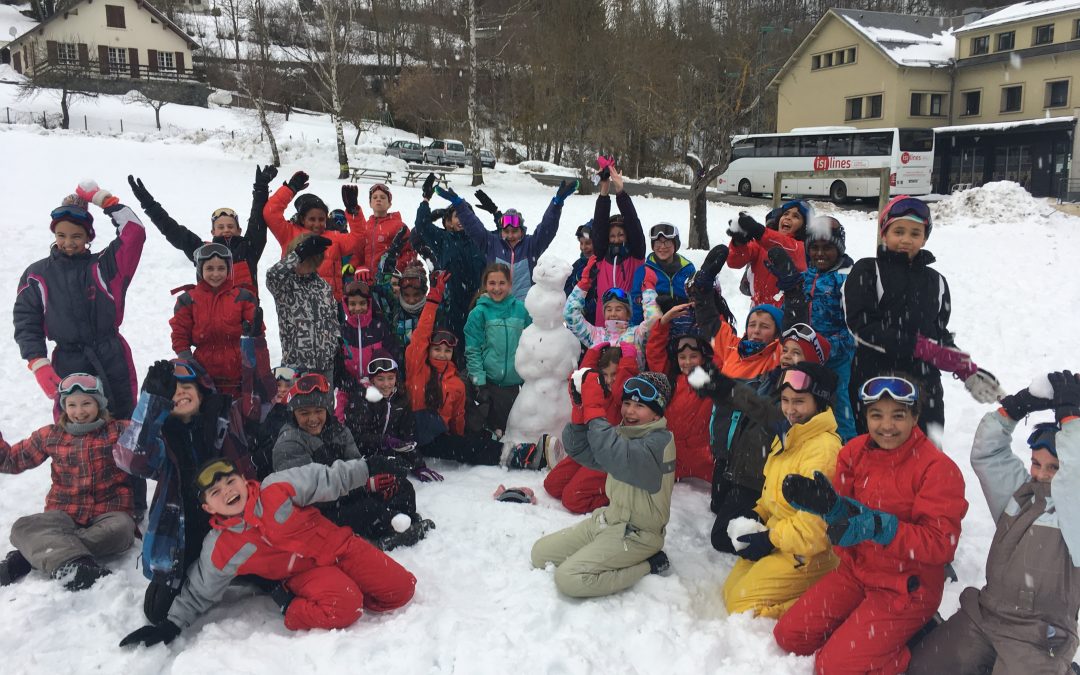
(1021, 404)
(438, 289)
(783, 268)
(164, 632)
(298, 182)
(749, 227)
(264, 174)
(982, 385)
(587, 275)
(594, 396)
(566, 188)
(813, 495)
(384, 485)
(628, 350)
(350, 195)
(1066, 394)
(861, 524)
(714, 262)
(364, 274)
(758, 545)
(159, 380)
(448, 194)
(711, 383)
(486, 202)
(425, 474)
(46, 377)
(89, 190)
(428, 188)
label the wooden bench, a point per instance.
(377, 175)
(418, 173)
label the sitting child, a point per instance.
(1024, 618)
(328, 575)
(622, 542)
(88, 509)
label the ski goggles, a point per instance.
(207, 251)
(411, 282)
(799, 381)
(211, 473)
(184, 371)
(381, 365)
(908, 206)
(444, 337)
(378, 186)
(223, 212)
(1044, 437)
(689, 342)
(84, 382)
(615, 294)
(896, 388)
(285, 374)
(802, 331)
(663, 231)
(640, 389)
(510, 220)
(583, 232)
(73, 213)
(308, 384)
(338, 217)
(358, 288)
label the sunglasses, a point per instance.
(444, 337)
(615, 294)
(381, 365)
(224, 212)
(184, 371)
(411, 282)
(510, 220)
(896, 388)
(285, 374)
(84, 382)
(641, 390)
(663, 231)
(909, 206)
(212, 472)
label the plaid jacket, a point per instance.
(86, 483)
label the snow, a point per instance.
(698, 378)
(1005, 126)
(998, 201)
(400, 522)
(479, 606)
(1021, 11)
(907, 48)
(11, 17)
(1040, 387)
(373, 395)
(741, 526)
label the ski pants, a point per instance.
(580, 489)
(842, 409)
(49, 540)
(771, 585)
(853, 628)
(478, 449)
(335, 596)
(594, 558)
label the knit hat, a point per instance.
(415, 270)
(775, 312)
(314, 398)
(584, 231)
(307, 202)
(814, 348)
(804, 209)
(73, 210)
(382, 188)
(642, 392)
(822, 384)
(96, 392)
(1044, 437)
(826, 228)
(903, 207)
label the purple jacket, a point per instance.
(522, 258)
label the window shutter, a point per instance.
(151, 60)
(133, 60)
(103, 59)
(180, 62)
(52, 51)
(16, 62)
(84, 55)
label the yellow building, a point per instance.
(998, 87)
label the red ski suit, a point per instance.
(210, 320)
(687, 414)
(763, 290)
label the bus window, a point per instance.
(916, 140)
(743, 148)
(873, 143)
(789, 146)
(766, 147)
(813, 146)
(839, 145)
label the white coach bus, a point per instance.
(755, 159)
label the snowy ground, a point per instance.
(479, 607)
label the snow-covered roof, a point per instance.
(1022, 11)
(12, 18)
(906, 39)
(1005, 126)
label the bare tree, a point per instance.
(258, 77)
(230, 14)
(473, 103)
(151, 95)
(415, 101)
(70, 81)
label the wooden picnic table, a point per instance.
(378, 175)
(418, 173)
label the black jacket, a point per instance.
(371, 423)
(455, 253)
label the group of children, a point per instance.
(816, 426)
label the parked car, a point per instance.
(487, 159)
(445, 151)
(410, 151)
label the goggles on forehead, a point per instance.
(615, 294)
(802, 331)
(1044, 436)
(84, 382)
(285, 374)
(663, 231)
(184, 371)
(224, 212)
(411, 282)
(207, 251)
(896, 388)
(212, 472)
(444, 337)
(378, 186)
(381, 365)
(909, 206)
(79, 214)
(641, 389)
(510, 220)
(307, 384)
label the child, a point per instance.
(453, 251)
(262, 451)
(579, 488)
(437, 393)
(827, 268)
(664, 273)
(898, 308)
(491, 340)
(86, 295)
(585, 246)
(779, 563)
(182, 421)
(894, 510)
(751, 241)
(313, 435)
(1024, 618)
(622, 542)
(511, 246)
(311, 215)
(615, 326)
(364, 332)
(246, 248)
(381, 228)
(210, 316)
(306, 309)
(328, 575)
(88, 511)
(688, 414)
(618, 243)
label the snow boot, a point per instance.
(417, 531)
(554, 452)
(80, 574)
(13, 568)
(658, 563)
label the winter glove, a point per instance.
(350, 195)
(253, 328)
(312, 246)
(605, 164)
(758, 545)
(982, 385)
(1066, 394)
(714, 262)
(1021, 404)
(588, 275)
(363, 274)
(381, 464)
(718, 387)
(298, 182)
(46, 377)
(594, 395)
(782, 267)
(487, 204)
(438, 289)
(160, 380)
(746, 226)
(575, 383)
(383, 484)
(857, 524)
(140, 192)
(428, 188)
(566, 188)
(813, 495)
(263, 175)
(164, 632)
(448, 194)
(89, 190)
(949, 359)
(426, 475)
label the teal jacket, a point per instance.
(491, 340)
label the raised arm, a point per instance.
(1000, 472)
(176, 234)
(256, 225)
(635, 235)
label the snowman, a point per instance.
(546, 355)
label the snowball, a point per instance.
(1040, 387)
(400, 522)
(372, 395)
(88, 184)
(740, 526)
(698, 378)
(820, 227)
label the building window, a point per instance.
(839, 57)
(937, 102)
(1044, 35)
(118, 59)
(916, 105)
(873, 104)
(166, 61)
(854, 109)
(1076, 29)
(826, 60)
(1006, 41)
(815, 62)
(980, 45)
(1012, 98)
(851, 52)
(1057, 94)
(114, 16)
(972, 103)
(67, 52)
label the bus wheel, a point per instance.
(838, 192)
(744, 187)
